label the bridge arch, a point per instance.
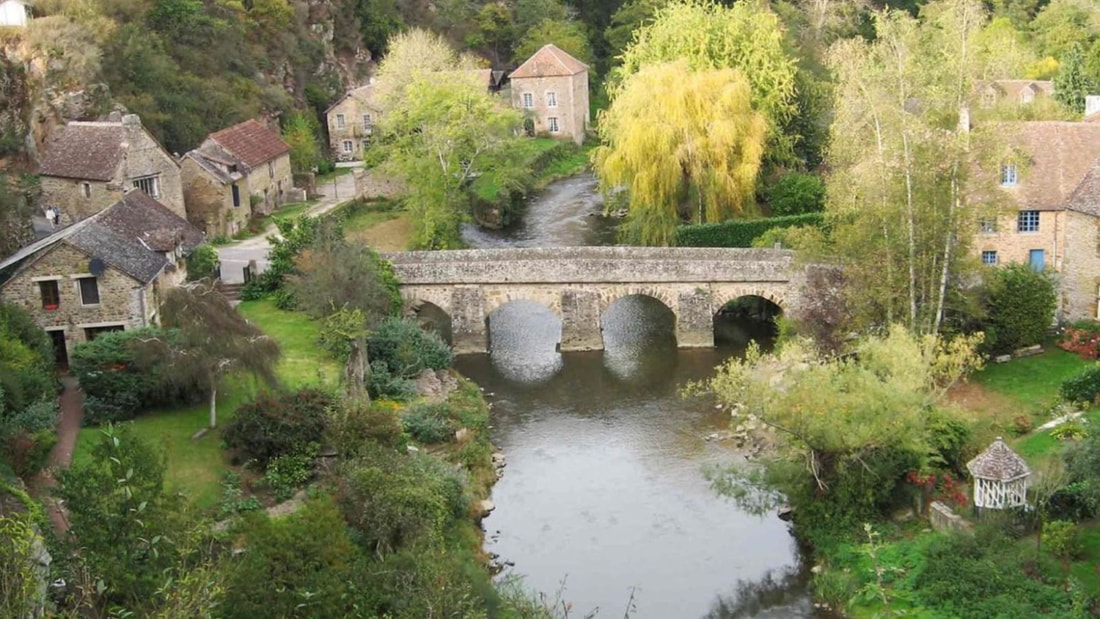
(636, 317)
(746, 319)
(431, 317)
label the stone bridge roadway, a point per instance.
(580, 283)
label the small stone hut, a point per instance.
(1000, 477)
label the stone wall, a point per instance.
(269, 181)
(67, 194)
(943, 518)
(374, 184)
(1080, 281)
(1013, 246)
(210, 203)
(353, 110)
(571, 95)
(122, 300)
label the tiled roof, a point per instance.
(1013, 88)
(999, 463)
(1060, 155)
(251, 142)
(88, 150)
(1086, 198)
(129, 235)
(549, 61)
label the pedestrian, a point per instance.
(55, 216)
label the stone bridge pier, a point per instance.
(580, 284)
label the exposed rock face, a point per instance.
(435, 386)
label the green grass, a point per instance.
(293, 209)
(195, 467)
(1032, 382)
(360, 216)
(1084, 570)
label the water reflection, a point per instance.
(639, 334)
(523, 340)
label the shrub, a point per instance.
(202, 263)
(1060, 538)
(1070, 431)
(383, 384)
(740, 233)
(796, 193)
(285, 474)
(1021, 425)
(354, 424)
(1081, 337)
(338, 329)
(1020, 304)
(1082, 387)
(28, 452)
(428, 423)
(98, 410)
(407, 349)
(278, 424)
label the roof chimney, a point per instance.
(131, 120)
(114, 117)
(1092, 105)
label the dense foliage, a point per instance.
(406, 349)
(203, 263)
(796, 193)
(740, 233)
(1021, 303)
(1082, 387)
(279, 424)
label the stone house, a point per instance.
(234, 174)
(106, 272)
(88, 166)
(1020, 92)
(15, 13)
(551, 88)
(351, 122)
(1048, 219)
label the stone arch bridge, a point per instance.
(580, 283)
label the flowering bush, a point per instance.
(939, 487)
(1082, 338)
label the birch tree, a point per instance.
(906, 186)
(690, 153)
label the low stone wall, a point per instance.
(943, 518)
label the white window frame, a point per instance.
(989, 257)
(1027, 95)
(552, 124)
(80, 279)
(1009, 175)
(152, 181)
(341, 122)
(368, 121)
(528, 99)
(551, 98)
(348, 147)
(1028, 224)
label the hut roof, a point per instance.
(999, 463)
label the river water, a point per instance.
(604, 502)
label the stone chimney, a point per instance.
(114, 117)
(131, 120)
(1092, 105)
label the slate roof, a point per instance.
(1061, 155)
(213, 166)
(87, 150)
(999, 463)
(549, 61)
(1086, 198)
(251, 142)
(129, 235)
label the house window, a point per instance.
(149, 185)
(86, 190)
(551, 99)
(89, 290)
(989, 257)
(1008, 175)
(366, 143)
(1027, 95)
(51, 297)
(348, 146)
(340, 122)
(987, 225)
(366, 121)
(1027, 221)
(271, 169)
(236, 195)
(989, 99)
(552, 124)
(528, 100)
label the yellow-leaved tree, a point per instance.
(685, 153)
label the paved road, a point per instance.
(235, 257)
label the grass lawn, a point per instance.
(1032, 382)
(380, 224)
(196, 466)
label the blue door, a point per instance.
(1037, 260)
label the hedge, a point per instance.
(740, 233)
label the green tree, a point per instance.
(530, 13)
(568, 35)
(686, 153)
(301, 132)
(1073, 83)
(213, 341)
(1064, 23)
(747, 37)
(20, 546)
(902, 191)
(848, 429)
(495, 31)
(631, 16)
(1020, 303)
(15, 218)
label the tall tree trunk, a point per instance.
(357, 370)
(213, 404)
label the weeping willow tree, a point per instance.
(689, 153)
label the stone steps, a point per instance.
(232, 292)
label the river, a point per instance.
(604, 502)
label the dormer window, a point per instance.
(1008, 175)
(148, 184)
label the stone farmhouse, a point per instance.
(551, 88)
(106, 272)
(1051, 210)
(351, 122)
(1021, 92)
(234, 174)
(15, 13)
(88, 166)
